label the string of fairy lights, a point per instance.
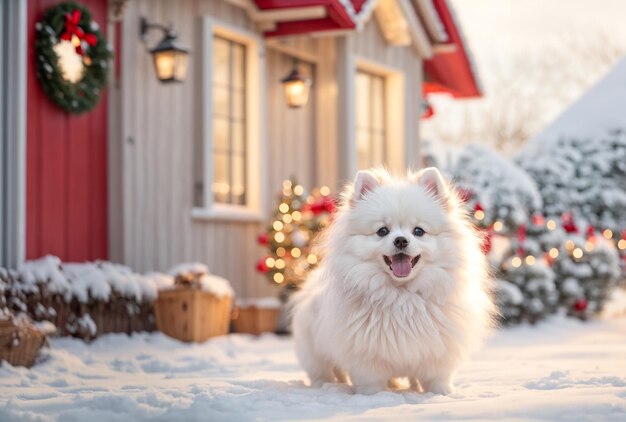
(576, 251)
(298, 218)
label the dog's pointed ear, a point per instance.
(364, 182)
(431, 180)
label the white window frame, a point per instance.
(255, 130)
(395, 109)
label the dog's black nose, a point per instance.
(400, 242)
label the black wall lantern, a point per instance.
(170, 59)
(297, 87)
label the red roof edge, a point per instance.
(451, 71)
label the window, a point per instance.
(227, 158)
(370, 120)
(229, 121)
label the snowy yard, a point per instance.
(561, 370)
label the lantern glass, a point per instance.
(164, 65)
(297, 89)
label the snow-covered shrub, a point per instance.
(84, 300)
(586, 271)
(584, 176)
(502, 189)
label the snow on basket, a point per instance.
(256, 316)
(197, 307)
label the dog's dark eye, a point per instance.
(383, 231)
(419, 232)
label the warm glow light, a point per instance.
(608, 234)
(497, 226)
(277, 225)
(479, 215)
(279, 237)
(295, 252)
(279, 278)
(589, 246)
(577, 253)
(287, 218)
(280, 263)
(530, 260)
(287, 184)
(296, 215)
(516, 262)
(621, 244)
(551, 224)
(270, 262)
(312, 259)
(298, 190)
(325, 191)
(280, 251)
(284, 208)
(554, 252)
(70, 62)
(570, 245)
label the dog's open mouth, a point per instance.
(401, 264)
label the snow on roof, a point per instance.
(598, 111)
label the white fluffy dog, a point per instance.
(403, 290)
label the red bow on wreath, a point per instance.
(72, 28)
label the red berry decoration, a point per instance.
(568, 223)
(538, 219)
(580, 305)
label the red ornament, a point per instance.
(624, 234)
(72, 28)
(567, 220)
(580, 305)
(478, 207)
(261, 266)
(538, 219)
(263, 239)
(591, 232)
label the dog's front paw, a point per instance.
(439, 387)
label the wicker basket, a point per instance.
(20, 342)
(189, 314)
(254, 320)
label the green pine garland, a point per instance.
(83, 95)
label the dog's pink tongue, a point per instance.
(401, 265)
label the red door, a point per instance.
(66, 165)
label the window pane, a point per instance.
(238, 137)
(221, 101)
(363, 149)
(221, 186)
(220, 134)
(378, 103)
(221, 60)
(239, 181)
(362, 100)
(239, 104)
(239, 57)
(378, 149)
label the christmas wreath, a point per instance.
(72, 57)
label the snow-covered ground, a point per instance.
(560, 370)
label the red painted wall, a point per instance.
(66, 165)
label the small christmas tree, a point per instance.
(297, 220)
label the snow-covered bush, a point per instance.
(584, 176)
(500, 188)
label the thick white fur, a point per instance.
(354, 318)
